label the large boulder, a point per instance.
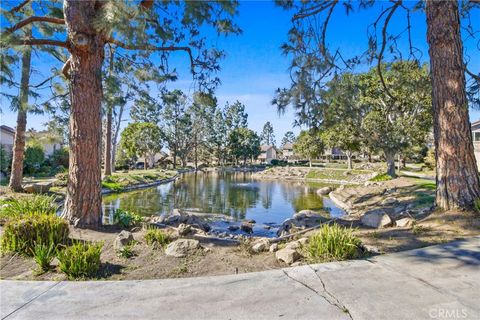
(389, 201)
(184, 229)
(301, 220)
(123, 238)
(324, 191)
(377, 218)
(182, 247)
(39, 187)
(246, 227)
(405, 222)
(260, 245)
(287, 255)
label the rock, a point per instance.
(296, 264)
(301, 220)
(389, 201)
(369, 183)
(303, 241)
(371, 249)
(182, 247)
(324, 191)
(293, 245)
(260, 245)
(184, 229)
(287, 255)
(177, 217)
(246, 227)
(273, 247)
(251, 221)
(405, 222)
(376, 218)
(233, 228)
(122, 239)
(39, 187)
(266, 227)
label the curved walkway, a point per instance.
(438, 282)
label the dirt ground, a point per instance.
(220, 257)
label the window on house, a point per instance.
(476, 136)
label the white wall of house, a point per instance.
(6, 138)
(476, 141)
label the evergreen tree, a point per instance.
(268, 137)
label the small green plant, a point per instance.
(157, 237)
(381, 177)
(476, 204)
(22, 234)
(43, 255)
(34, 205)
(418, 229)
(126, 251)
(80, 260)
(112, 185)
(333, 243)
(125, 218)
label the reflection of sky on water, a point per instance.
(236, 195)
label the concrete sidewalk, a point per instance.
(438, 282)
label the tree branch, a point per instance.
(30, 20)
(311, 11)
(20, 6)
(153, 48)
(471, 74)
(40, 42)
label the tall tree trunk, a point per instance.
(83, 204)
(458, 184)
(115, 137)
(310, 162)
(18, 156)
(107, 158)
(349, 160)
(145, 162)
(390, 157)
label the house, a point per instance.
(333, 154)
(7, 137)
(49, 142)
(476, 140)
(287, 151)
(268, 153)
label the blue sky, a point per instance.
(254, 66)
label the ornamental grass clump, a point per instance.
(157, 237)
(80, 260)
(22, 234)
(33, 205)
(126, 219)
(333, 243)
(43, 255)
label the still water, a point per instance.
(232, 197)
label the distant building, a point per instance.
(47, 140)
(476, 140)
(268, 153)
(333, 154)
(7, 137)
(287, 151)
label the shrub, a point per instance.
(333, 243)
(60, 158)
(430, 158)
(34, 157)
(5, 160)
(126, 251)
(61, 179)
(126, 218)
(23, 233)
(157, 237)
(381, 177)
(476, 204)
(80, 260)
(34, 205)
(43, 255)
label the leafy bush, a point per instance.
(43, 255)
(23, 233)
(157, 237)
(429, 159)
(381, 177)
(60, 158)
(476, 204)
(125, 218)
(80, 260)
(61, 179)
(126, 251)
(34, 157)
(333, 243)
(5, 161)
(34, 205)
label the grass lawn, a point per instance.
(120, 180)
(336, 174)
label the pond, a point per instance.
(229, 197)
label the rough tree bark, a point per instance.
(115, 136)
(390, 158)
(18, 156)
(83, 204)
(458, 182)
(349, 160)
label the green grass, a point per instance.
(120, 180)
(43, 255)
(31, 205)
(334, 174)
(127, 251)
(157, 237)
(80, 260)
(381, 177)
(332, 243)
